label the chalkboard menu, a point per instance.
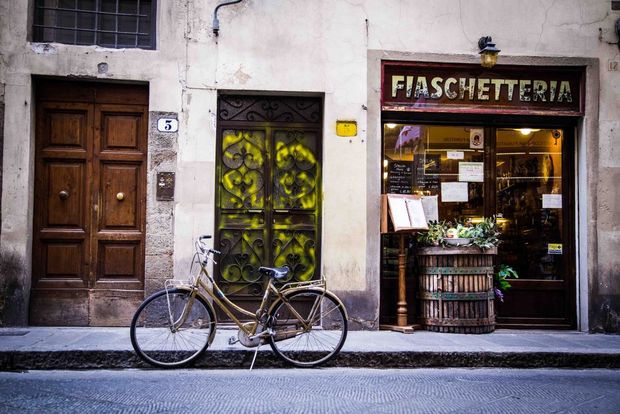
(426, 177)
(400, 176)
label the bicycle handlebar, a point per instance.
(202, 247)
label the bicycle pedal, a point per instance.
(233, 340)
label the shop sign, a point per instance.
(472, 88)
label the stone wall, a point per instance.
(159, 249)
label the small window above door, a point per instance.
(108, 23)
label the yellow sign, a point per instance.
(554, 248)
(346, 128)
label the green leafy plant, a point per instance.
(502, 273)
(435, 234)
(484, 234)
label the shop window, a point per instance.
(514, 174)
(442, 161)
(107, 23)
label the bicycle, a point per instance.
(304, 323)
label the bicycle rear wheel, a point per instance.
(157, 336)
(309, 328)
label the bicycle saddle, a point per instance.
(275, 272)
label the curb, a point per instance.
(76, 360)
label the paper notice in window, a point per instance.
(455, 155)
(454, 192)
(552, 201)
(471, 172)
(431, 207)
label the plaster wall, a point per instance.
(329, 48)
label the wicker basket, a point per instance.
(456, 289)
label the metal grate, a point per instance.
(107, 23)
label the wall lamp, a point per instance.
(488, 52)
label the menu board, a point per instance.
(406, 212)
(426, 174)
(399, 179)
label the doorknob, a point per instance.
(120, 196)
(63, 195)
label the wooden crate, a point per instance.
(456, 289)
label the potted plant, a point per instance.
(502, 273)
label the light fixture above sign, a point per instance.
(488, 52)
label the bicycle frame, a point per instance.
(228, 307)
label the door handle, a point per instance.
(63, 195)
(282, 211)
(120, 196)
(254, 211)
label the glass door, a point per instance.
(532, 205)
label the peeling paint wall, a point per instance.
(325, 47)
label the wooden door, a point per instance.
(89, 217)
(268, 191)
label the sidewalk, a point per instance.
(90, 348)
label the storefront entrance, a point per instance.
(523, 176)
(90, 200)
(268, 190)
(489, 142)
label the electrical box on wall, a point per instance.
(346, 128)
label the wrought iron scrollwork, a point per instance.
(243, 158)
(243, 252)
(269, 109)
(295, 170)
(297, 250)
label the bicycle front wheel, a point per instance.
(309, 328)
(160, 335)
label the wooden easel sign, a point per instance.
(407, 215)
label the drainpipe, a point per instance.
(216, 22)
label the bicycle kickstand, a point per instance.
(255, 353)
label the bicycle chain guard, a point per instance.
(246, 340)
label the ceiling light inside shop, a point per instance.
(390, 126)
(526, 131)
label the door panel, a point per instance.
(122, 126)
(118, 260)
(65, 195)
(63, 260)
(88, 249)
(119, 208)
(66, 129)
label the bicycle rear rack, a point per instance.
(320, 283)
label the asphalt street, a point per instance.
(339, 390)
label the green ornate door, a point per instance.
(268, 190)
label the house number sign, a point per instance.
(167, 125)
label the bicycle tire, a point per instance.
(156, 343)
(323, 338)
